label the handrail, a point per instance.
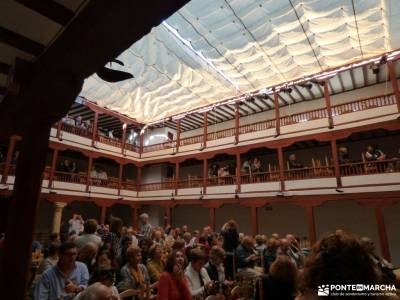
(257, 126)
(155, 186)
(159, 146)
(131, 147)
(109, 141)
(370, 167)
(259, 177)
(110, 182)
(196, 139)
(128, 185)
(190, 183)
(70, 177)
(224, 180)
(306, 116)
(364, 104)
(84, 132)
(309, 173)
(220, 134)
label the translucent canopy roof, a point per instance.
(211, 50)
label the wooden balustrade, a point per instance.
(110, 182)
(220, 134)
(131, 147)
(260, 177)
(310, 173)
(304, 117)
(196, 139)
(81, 131)
(155, 186)
(79, 178)
(258, 126)
(364, 104)
(129, 185)
(190, 183)
(157, 147)
(224, 180)
(370, 167)
(109, 141)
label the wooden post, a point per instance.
(237, 122)
(205, 124)
(277, 114)
(138, 178)
(238, 175)
(9, 157)
(94, 129)
(383, 239)
(205, 175)
(212, 218)
(53, 167)
(57, 217)
(178, 135)
(336, 163)
(328, 103)
(121, 168)
(393, 80)
(89, 170)
(312, 236)
(176, 177)
(58, 134)
(281, 169)
(141, 141)
(254, 220)
(123, 142)
(134, 217)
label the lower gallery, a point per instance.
(212, 150)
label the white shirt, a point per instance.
(194, 281)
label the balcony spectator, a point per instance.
(343, 155)
(256, 166)
(131, 137)
(67, 167)
(111, 134)
(293, 163)
(76, 224)
(213, 170)
(78, 121)
(68, 120)
(246, 167)
(95, 172)
(102, 174)
(373, 153)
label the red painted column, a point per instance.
(281, 169)
(328, 103)
(393, 80)
(336, 163)
(205, 124)
(383, 239)
(178, 135)
(212, 218)
(277, 114)
(176, 177)
(9, 157)
(53, 167)
(254, 220)
(312, 236)
(237, 122)
(238, 177)
(123, 142)
(141, 141)
(58, 135)
(121, 168)
(205, 175)
(89, 170)
(94, 129)
(138, 178)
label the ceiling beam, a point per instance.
(300, 93)
(20, 42)
(341, 81)
(353, 81)
(50, 9)
(226, 112)
(365, 75)
(263, 101)
(283, 100)
(256, 104)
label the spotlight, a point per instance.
(236, 196)
(383, 60)
(264, 96)
(201, 197)
(280, 194)
(321, 83)
(250, 99)
(375, 69)
(120, 198)
(287, 90)
(306, 85)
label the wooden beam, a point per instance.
(281, 169)
(20, 42)
(328, 103)
(237, 121)
(341, 81)
(300, 93)
(205, 125)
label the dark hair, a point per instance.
(283, 269)
(102, 275)
(197, 254)
(116, 226)
(153, 250)
(90, 226)
(169, 266)
(64, 247)
(54, 235)
(53, 249)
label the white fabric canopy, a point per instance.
(250, 44)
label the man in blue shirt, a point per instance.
(64, 280)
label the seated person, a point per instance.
(293, 163)
(155, 265)
(256, 166)
(343, 155)
(246, 167)
(102, 175)
(373, 153)
(247, 258)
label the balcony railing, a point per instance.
(109, 141)
(260, 177)
(304, 117)
(364, 104)
(110, 182)
(155, 186)
(190, 183)
(258, 126)
(131, 147)
(128, 185)
(70, 177)
(225, 180)
(310, 173)
(158, 147)
(370, 167)
(220, 134)
(191, 140)
(84, 132)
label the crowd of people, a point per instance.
(111, 261)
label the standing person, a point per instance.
(199, 281)
(173, 285)
(64, 280)
(231, 241)
(146, 229)
(113, 239)
(88, 236)
(76, 224)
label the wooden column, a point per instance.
(57, 217)
(393, 80)
(94, 129)
(254, 220)
(205, 124)
(123, 142)
(312, 236)
(176, 177)
(121, 168)
(336, 163)
(383, 239)
(53, 167)
(277, 114)
(238, 177)
(205, 175)
(141, 140)
(17, 249)
(89, 170)
(281, 169)
(237, 122)
(212, 218)
(138, 178)
(328, 103)
(178, 135)
(58, 134)
(135, 217)
(10, 152)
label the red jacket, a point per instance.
(170, 289)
